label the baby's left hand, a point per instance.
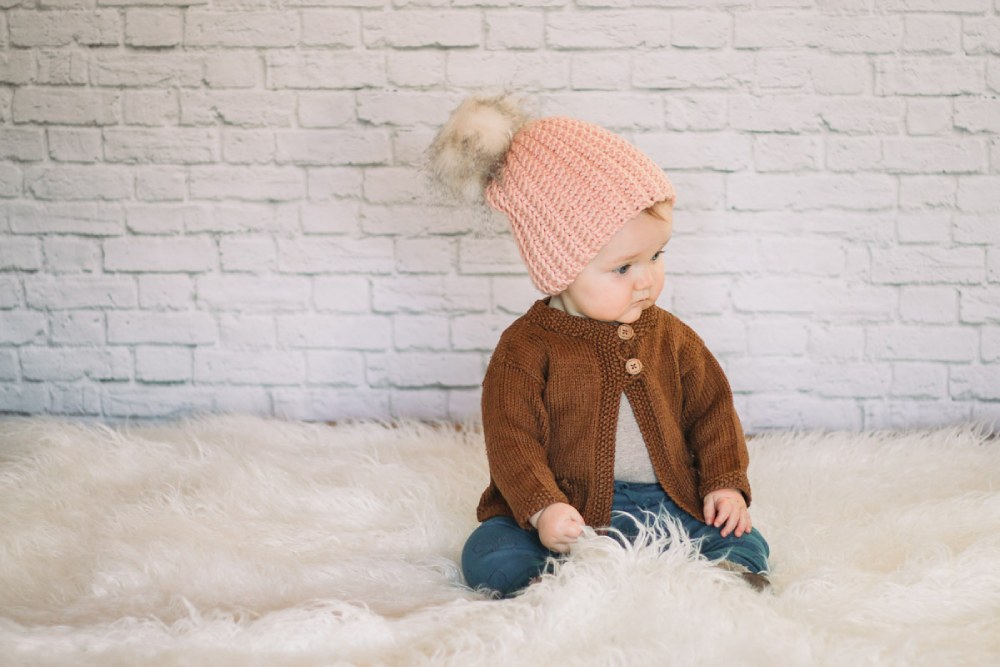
(727, 509)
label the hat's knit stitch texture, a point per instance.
(568, 186)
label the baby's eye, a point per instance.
(622, 270)
(657, 255)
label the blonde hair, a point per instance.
(661, 209)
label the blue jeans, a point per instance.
(503, 557)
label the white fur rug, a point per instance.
(239, 541)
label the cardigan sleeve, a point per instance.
(711, 426)
(515, 426)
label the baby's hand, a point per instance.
(559, 525)
(727, 509)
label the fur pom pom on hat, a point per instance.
(566, 185)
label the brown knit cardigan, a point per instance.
(550, 408)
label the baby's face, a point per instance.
(626, 276)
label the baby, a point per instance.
(598, 406)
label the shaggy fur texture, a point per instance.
(238, 541)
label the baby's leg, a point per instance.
(503, 557)
(749, 550)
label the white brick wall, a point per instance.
(217, 206)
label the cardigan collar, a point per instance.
(583, 327)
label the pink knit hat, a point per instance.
(567, 186)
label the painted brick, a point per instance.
(162, 364)
(422, 369)
(928, 305)
(22, 326)
(384, 108)
(152, 219)
(421, 332)
(154, 27)
(10, 293)
(923, 343)
(62, 68)
(249, 184)
(162, 402)
(494, 256)
(517, 71)
(331, 27)
(20, 255)
(232, 69)
(933, 75)
(66, 106)
(410, 29)
(160, 183)
(75, 363)
(67, 254)
(435, 294)
(693, 70)
(152, 108)
(780, 153)
(600, 71)
(712, 256)
(77, 327)
(981, 35)
(327, 404)
(173, 146)
(818, 257)
(978, 115)
(835, 342)
(778, 337)
(335, 255)
(248, 146)
(619, 111)
(337, 147)
(22, 144)
(958, 6)
(716, 152)
(326, 109)
(869, 116)
(934, 156)
(241, 29)
(247, 254)
(161, 68)
(335, 368)
(247, 331)
(166, 292)
(78, 183)
(9, 366)
(918, 380)
(699, 295)
(920, 265)
(16, 67)
(252, 293)
(991, 344)
(414, 220)
(321, 69)
(190, 328)
(924, 227)
(928, 116)
(695, 112)
(331, 218)
(979, 304)
(356, 332)
(81, 292)
(704, 30)
(979, 194)
(23, 398)
(249, 367)
(342, 293)
(84, 218)
(248, 217)
(512, 29)
(238, 107)
(981, 382)
(179, 255)
(329, 183)
(934, 33)
(774, 295)
(977, 229)
(100, 27)
(927, 192)
(424, 255)
(777, 192)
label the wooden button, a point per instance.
(625, 332)
(633, 366)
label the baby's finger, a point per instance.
(731, 523)
(709, 511)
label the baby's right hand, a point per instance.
(559, 525)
